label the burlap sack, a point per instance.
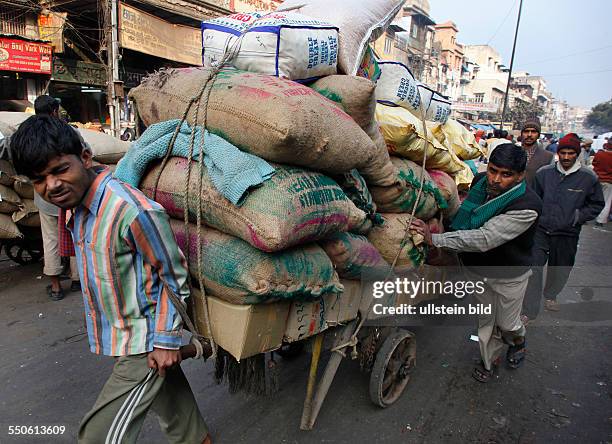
(8, 229)
(403, 133)
(273, 118)
(356, 97)
(461, 141)
(23, 187)
(401, 198)
(295, 206)
(439, 256)
(356, 189)
(7, 173)
(388, 237)
(9, 200)
(105, 148)
(27, 215)
(235, 271)
(354, 257)
(448, 188)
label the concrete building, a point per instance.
(451, 60)
(410, 40)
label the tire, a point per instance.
(392, 367)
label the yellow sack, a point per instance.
(464, 178)
(404, 136)
(460, 140)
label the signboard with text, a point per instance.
(475, 106)
(22, 56)
(76, 71)
(51, 28)
(148, 34)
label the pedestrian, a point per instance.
(587, 151)
(602, 165)
(131, 267)
(571, 196)
(553, 146)
(46, 105)
(493, 233)
(537, 157)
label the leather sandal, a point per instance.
(55, 295)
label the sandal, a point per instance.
(481, 374)
(55, 295)
(516, 355)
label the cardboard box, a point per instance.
(242, 330)
(309, 318)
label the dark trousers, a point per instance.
(560, 254)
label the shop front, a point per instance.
(25, 70)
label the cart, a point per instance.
(26, 250)
(387, 353)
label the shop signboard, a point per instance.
(51, 28)
(76, 71)
(23, 56)
(475, 106)
(148, 34)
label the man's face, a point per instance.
(567, 157)
(65, 180)
(529, 136)
(500, 180)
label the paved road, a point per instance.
(562, 394)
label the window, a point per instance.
(388, 45)
(414, 30)
(479, 97)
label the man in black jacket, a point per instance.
(493, 233)
(571, 196)
(537, 157)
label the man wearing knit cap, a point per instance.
(537, 156)
(571, 196)
(602, 165)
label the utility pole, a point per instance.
(113, 82)
(518, 21)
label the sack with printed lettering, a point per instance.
(294, 207)
(276, 119)
(236, 272)
(358, 22)
(282, 44)
(398, 87)
(439, 108)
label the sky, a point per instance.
(564, 41)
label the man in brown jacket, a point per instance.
(537, 156)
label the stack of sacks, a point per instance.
(16, 203)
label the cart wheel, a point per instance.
(391, 371)
(21, 255)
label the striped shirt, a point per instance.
(125, 250)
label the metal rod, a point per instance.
(312, 380)
(518, 22)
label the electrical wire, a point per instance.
(502, 23)
(567, 55)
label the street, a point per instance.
(562, 393)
